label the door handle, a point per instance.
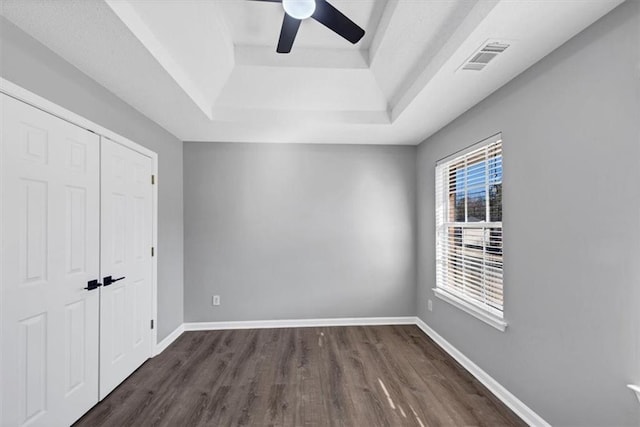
(93, 284)
(108, 280)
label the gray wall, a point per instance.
(571, 130)
(299, 231)
(27, 63)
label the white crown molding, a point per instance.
(382, 27)
(511, 401)
(237, 115)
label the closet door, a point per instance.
(50, 251)
(126, 240)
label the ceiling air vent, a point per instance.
(484, 55)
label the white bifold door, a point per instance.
(50, 252)
(67, 340)
(125, 309)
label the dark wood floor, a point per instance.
(340, 376)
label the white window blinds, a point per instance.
(469, 226)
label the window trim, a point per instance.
(448, 295)
(466, 150)
(470, 308)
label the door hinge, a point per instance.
(153, 179)
(153, 251)
(151, 323)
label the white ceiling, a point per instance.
(207, 70)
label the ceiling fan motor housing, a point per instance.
(299, 9)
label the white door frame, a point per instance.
(28, 97)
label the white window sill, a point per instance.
(471, 309)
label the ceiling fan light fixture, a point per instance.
(299, 9)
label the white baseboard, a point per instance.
(298, 323)
(516, 405)
(168, 340)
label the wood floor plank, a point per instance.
(339, 376)
(427, 382)
(309, 399)
(447, 376)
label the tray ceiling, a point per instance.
(207, 70)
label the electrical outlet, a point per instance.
(430, 305)
(215, 300)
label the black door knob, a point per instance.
(109, 280)
(93, 284)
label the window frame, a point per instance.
(473, 306)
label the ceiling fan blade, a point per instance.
(288, 33)
(333, 19)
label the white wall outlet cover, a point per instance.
(636, 389)
(216, 300)
(430, 305)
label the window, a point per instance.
(469, 230)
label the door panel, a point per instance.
(33, 231)
(75, 368)
(33, 366)
(126, 225)
(76, 226)
(50, 249)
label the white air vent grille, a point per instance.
(483, 58)
(484, 55)
(474, 67)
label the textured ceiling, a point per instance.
(207, 70)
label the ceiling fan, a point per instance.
(298, 10)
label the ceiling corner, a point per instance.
(202, 92)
